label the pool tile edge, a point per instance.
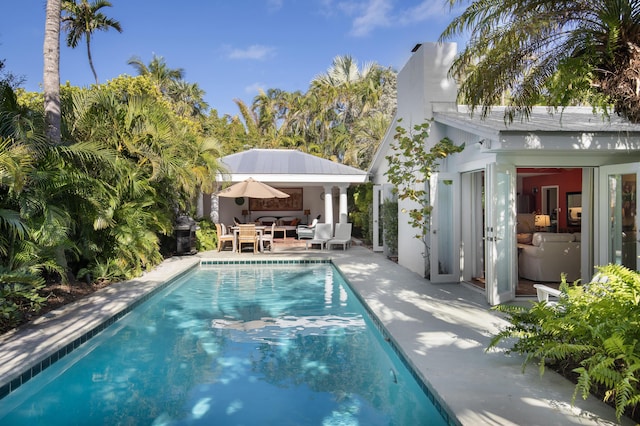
(28, 351)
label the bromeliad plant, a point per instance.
(593, 332)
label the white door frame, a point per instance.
(610, 230)
(472, 225)
(500, 240)
(445, 228)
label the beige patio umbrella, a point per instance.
(253, 189)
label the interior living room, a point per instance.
(548, 225)
(548, 222)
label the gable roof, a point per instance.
(288, 165)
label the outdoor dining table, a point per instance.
(260, 230)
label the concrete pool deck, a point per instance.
(442, 330)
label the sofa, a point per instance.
(525, 227)
(549, 256)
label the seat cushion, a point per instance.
(525, 238)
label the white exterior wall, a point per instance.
(423, 86)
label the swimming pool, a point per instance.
(232, 344)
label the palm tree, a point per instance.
(159, 71)
(82, 20)
(562, 51)
(51, 78)
(343, 95)
(188, 99)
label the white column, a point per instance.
(344, 218)
(200, 205)
(215, 209)
(328, 205)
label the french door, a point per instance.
(445, 234)
(500, 240)
(618, 218)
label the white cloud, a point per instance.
(375, 15)
(372, 14)
(422, 12)
(255, 51)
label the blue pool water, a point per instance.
(232, 345)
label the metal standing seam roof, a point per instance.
(542, 119)
(285, 162)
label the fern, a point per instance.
(594, 328)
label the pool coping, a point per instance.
(441, 331)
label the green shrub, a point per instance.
(390, 225)
(593, 332)
(18, 295)
(206, 236)
(361, 211)
(107, 271)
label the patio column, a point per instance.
(328, 205)
(343, 205)
(200, 205)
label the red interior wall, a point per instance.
(567, 180)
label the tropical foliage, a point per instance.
(593, 331)
(361, 212)
(342, 117)
(390, 225)
(92, 179)
(102, 202)
(553, 52)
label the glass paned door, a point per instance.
(445, 235)
(500, 240)
(618, 215)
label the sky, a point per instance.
(230, 48)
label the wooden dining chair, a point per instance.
(223, 237)
(247, 234)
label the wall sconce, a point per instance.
(307, 212)
(482, 143)
(245, 213)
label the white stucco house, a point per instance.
(574, 171)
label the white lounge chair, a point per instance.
(342, 236)
(321, 236)
(307, 231)
(543, 292)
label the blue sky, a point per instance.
(231, 48)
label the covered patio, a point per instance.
(316, 187)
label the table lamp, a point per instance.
(542, 221)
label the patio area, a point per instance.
(442, 331)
